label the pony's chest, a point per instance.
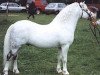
(66, 37)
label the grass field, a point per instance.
(83, 56)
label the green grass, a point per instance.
(83, 56)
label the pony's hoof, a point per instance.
(16, 71)
(59, 71)
(65, 73)
(5, 72)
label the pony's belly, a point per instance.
(44, 43)
(45, 46)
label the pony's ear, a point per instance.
(81, 3)
(84, 2)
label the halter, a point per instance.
(89, 14)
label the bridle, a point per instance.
(89, 14)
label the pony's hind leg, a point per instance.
(6, 67)
(14, 58)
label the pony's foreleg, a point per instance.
(64, 59)
(59, 61)
(12, 56)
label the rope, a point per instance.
(94, 32)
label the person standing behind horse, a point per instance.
(31, 10)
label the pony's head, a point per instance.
(86, 13)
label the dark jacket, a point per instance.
(31, 9)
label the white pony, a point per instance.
(59, 33)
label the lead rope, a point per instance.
(95, 29)
(94, 32)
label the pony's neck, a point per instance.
(68, 16)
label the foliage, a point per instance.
(83, 56)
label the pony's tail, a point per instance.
(6, 46)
